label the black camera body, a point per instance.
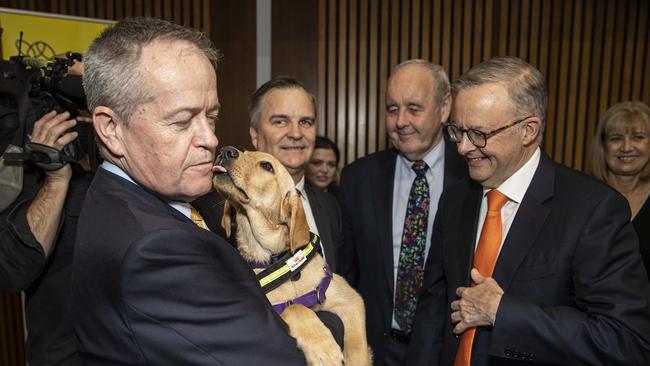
(34, 90)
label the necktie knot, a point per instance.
(496, 200)
(198, 219)
(420, 167)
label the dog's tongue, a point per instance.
(219, 169)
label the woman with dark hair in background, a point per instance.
(619, 156)
(322, 170)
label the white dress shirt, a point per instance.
(514, 188)
(300, 186)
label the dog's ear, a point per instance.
(227, 218)
(294, 215)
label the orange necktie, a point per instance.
(484, 260)
(198, 219)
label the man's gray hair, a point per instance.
(525, 85)
(278, 82)
(112, 70)
(442, 87)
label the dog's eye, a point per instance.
(267, 166)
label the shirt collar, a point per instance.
(182, 207)
(516, 186)
(117, 171)
(300, 186)
(433, 158)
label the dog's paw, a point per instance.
(312, 336)
(320, 358)
(325, 353)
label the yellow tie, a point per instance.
(484, 260)
(198, 220)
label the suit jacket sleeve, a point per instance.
(222, 318)
(21, 256)
(609, 324)
(348, 261)
(338, 239)
(431, 313)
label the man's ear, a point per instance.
(107, 125)
(445, 108)
(293, 214)
(227, 218)
(532, 129)
(253, 133)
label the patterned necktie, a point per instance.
(198, 219)
(485, 258)
(410, 270)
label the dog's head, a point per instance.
(259, 189)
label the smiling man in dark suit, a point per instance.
(541, 263)
(389, 200)
(150, 285)
(283, 124)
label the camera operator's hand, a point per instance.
(44, 213)
(51, 130)
(77, 68)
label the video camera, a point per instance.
(32, 89)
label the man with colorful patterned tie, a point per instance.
(389, 200)
(541, 263)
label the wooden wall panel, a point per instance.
(233, 32)
(593, 54)
(294, 41)
(12, 348)
(191, 13)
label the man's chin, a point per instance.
(191, 195)
(293, 164)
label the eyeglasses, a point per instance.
(476, 137)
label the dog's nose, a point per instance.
(228, 153)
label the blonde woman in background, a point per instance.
(619, 156)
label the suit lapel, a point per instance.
(382, 194)
(321, 218)
(466, 235)
(527, 223)
(455, 165)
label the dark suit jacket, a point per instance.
(327, 215)
(641, 225)
(575, 290)
(151, 288)
(366, 195)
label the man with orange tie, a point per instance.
(540, 262)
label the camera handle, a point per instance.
(45, 157)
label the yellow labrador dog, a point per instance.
(262, 201)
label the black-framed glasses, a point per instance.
(476, 137)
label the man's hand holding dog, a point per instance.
(477, 305)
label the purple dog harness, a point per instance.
(288, 266)
(312, 298)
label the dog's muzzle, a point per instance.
(226, 154)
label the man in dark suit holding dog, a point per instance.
(541, 263)
(151, 287)
(283, 124)
(389, 200)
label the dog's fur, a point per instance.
(262, 200)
